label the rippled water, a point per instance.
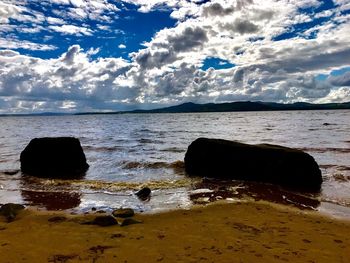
(129, 151)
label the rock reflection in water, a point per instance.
(220, 189)
(52, 200)
(35, 192)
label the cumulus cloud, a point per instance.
(216, 9)
(265, 69)
(240, 26)
(168, 68)
(72, 78)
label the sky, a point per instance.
(104, 55)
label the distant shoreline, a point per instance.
(189, 107)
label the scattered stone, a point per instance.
(60, 157)
(99, 249)
(265, 163)
(123, 212)
(103, 221)
(118, 235)
(61, 258)
(10, 211)
(57, 219)
(128, 221)
(144, 193)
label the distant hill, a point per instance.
(213, 107)
(245, 106)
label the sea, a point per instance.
(127, 152)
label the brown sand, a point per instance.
(245, 232)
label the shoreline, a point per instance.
(219, 232)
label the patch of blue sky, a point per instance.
(341, 71)
(337, 72)
(299, 29)
(128, 27)
(216, 63)
(345, 12)
(324, 5)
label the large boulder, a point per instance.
(261, 163)
(54, 157)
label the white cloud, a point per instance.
(66, 83)
(16, 15)
(55, 20)
(265, 69)
(72, 30)
(168, 68)
(11, 43)
(9, 10)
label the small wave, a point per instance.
(173, 150)
(336, 201)
(145, 130)
(323, 150)
(329, 124)
(153, 165)
(102, 148)
(336, 167)
(341, 177)
(10, 172)
(148, 141)
(114, 186)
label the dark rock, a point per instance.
(266, 163)
(118, 235)
(10, 211)
(144, 193)
(123, 212)
(54, 157)
(128, 221)
(104, 221)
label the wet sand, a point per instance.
(236, 232)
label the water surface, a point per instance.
(129, 151)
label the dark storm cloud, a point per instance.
(166, 51)
(216, 9)
(240, 26)
(188, 39)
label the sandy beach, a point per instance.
(234, 232)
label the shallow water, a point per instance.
(129, 151)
